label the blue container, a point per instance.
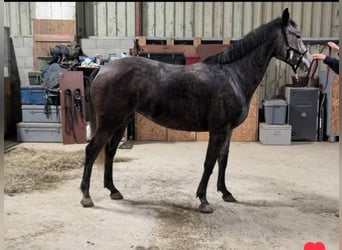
(32, 95)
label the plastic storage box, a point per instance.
(36, 113)
(32, 95)
(39, 132)
(275, 111)
(275, 134)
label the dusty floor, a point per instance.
(287, 196)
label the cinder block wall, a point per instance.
(23, 55)
(106, 45)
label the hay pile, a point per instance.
(26, 169)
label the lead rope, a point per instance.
(315, 63)
(73, 107)
(68, 111)
(78, 104)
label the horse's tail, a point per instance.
(101, 157)
(92, 111)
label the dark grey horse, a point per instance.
(213, 96)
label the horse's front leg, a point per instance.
(222, 163)
(110, 150)
(215, 143)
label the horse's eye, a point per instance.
(298, 36)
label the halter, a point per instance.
(290, 50)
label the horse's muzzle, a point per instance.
(306, 62)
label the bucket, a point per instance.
(301, 81)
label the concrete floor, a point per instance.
(287, 196)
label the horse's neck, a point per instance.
(253, 67)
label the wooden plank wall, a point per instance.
(147, 130)
(335, 126)
(248, 130)
(48, 33)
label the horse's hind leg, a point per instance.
(222, 163)
(215, 143)
(110, 150)
(92, 150)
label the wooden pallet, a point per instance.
(192, 47)
(147, 130)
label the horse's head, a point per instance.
(291, 48)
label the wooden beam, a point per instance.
(138, 19)
(226, 41)
(197, 41)
(142, 41)
(170, 41)
(53, 38)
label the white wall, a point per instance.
(55, 10)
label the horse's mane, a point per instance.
(246, 44)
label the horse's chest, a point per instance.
(228, 111)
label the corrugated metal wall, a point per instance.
(18, 16)
(193, 19)
(184, 19)
(106, 19)
(224, 19)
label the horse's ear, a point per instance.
(286, 16)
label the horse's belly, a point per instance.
(178, 119)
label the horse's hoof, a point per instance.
(87, 202)
(205, 208)
(228, 198)
(116, 196)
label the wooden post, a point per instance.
(226, 41)
(197, 41)
(138, 19)
(142, 41)
(170, 41)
